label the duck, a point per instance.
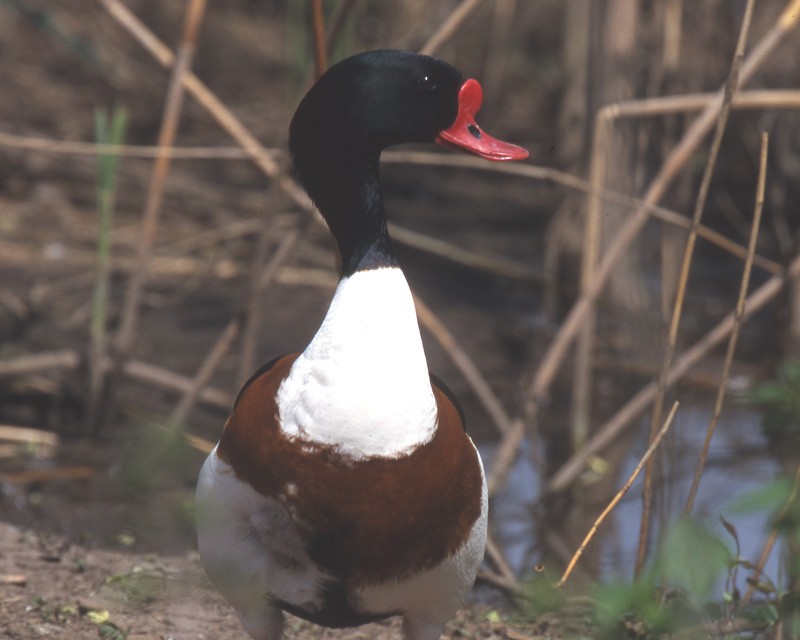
(344, 488)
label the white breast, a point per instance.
(362, 383)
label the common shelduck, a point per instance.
(344, 488)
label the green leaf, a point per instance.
(693, 559)
(624, 602)
(770, 496)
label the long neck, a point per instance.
(347, 191)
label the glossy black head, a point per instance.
(363, 105)
(370, 101)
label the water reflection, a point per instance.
(738, 463)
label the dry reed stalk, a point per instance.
(162, 265)
(495, 553)
(210, 237)
(547, 174)
(608, 432)
(495, 58)
(28, 476)
(64, 359)
(318, 33)
(249, 341)
(206, 370)
(337, 22)
(152, 209)
(615, 500)
(263, 274)
(308, 277)
(28, 435)
(731, 86)
(199, 444)
(498, 265)
(737, 323)
(465, 365)
(48, 145)
(582, 380)
(160, 377)
(257, 153)
(449, 26)
(550, 364)
(512, 587)
(69, 360)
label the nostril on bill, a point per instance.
(476, 133)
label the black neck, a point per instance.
(348, 194)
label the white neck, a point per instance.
(362, 384)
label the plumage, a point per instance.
(344, 488)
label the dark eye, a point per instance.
(428, 83)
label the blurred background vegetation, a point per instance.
(126, 340)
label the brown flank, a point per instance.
(363, 522)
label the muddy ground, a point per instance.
(51, 588)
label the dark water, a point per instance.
(738, 464)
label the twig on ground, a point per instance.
(737, 323)
(615, 500)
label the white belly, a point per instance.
(248, 544)
(253, 554)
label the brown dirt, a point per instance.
(50, 588)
